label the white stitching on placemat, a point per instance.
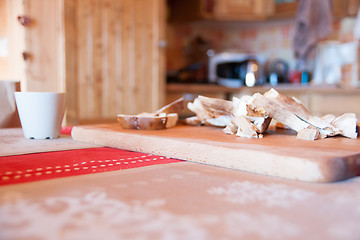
(68, 169)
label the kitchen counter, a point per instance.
(213, 88)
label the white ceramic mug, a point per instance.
(41, 113)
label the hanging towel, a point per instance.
(313, 23)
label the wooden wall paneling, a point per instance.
(109, 87)
(117, 58)
(104, 55)
(71, 63)
(96, 94)
(12, 65)
(110, 64)
(132, 105)
(84, 47)
(4, 63)
(140, 88)
(127, 100)
(116, 88)
(159, 44)
(119, 67)
(44, 69)
(147, 53)
(3, 17)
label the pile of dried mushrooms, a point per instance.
(250, 116)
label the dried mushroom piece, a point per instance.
(220, 121)
(328, 118)
(197, 108)
(231, 128)
(296, 107)
(310, 133)
(272, 109)
(292, 104)
(292, 113)
(177, 106)
(216, 107)
(261, 123)
(210, 111)
(147, 122)
(245, 127)
(166, 117)
(193, 121)
(346, 124)
(255, 120)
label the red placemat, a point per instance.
(48, 165)
(66, 130)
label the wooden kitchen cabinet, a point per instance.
(234, 10)
(247, 10)
(244, 10)
(107, 55)
(288, 9)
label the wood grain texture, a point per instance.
(113, 61)
(243, 10)
(3, 17)
(278, 154)
(71, 65)
(4, 64)
(12, 66)
(43, 41)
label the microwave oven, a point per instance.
(232, 69)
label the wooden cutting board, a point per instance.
(279, 153)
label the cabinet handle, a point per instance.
(24, 20)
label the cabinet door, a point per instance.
(243, 9)
(114, 58)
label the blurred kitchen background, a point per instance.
(132, 56)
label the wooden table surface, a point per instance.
(181, 200)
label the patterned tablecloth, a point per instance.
(180, 200)
(13, 142)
